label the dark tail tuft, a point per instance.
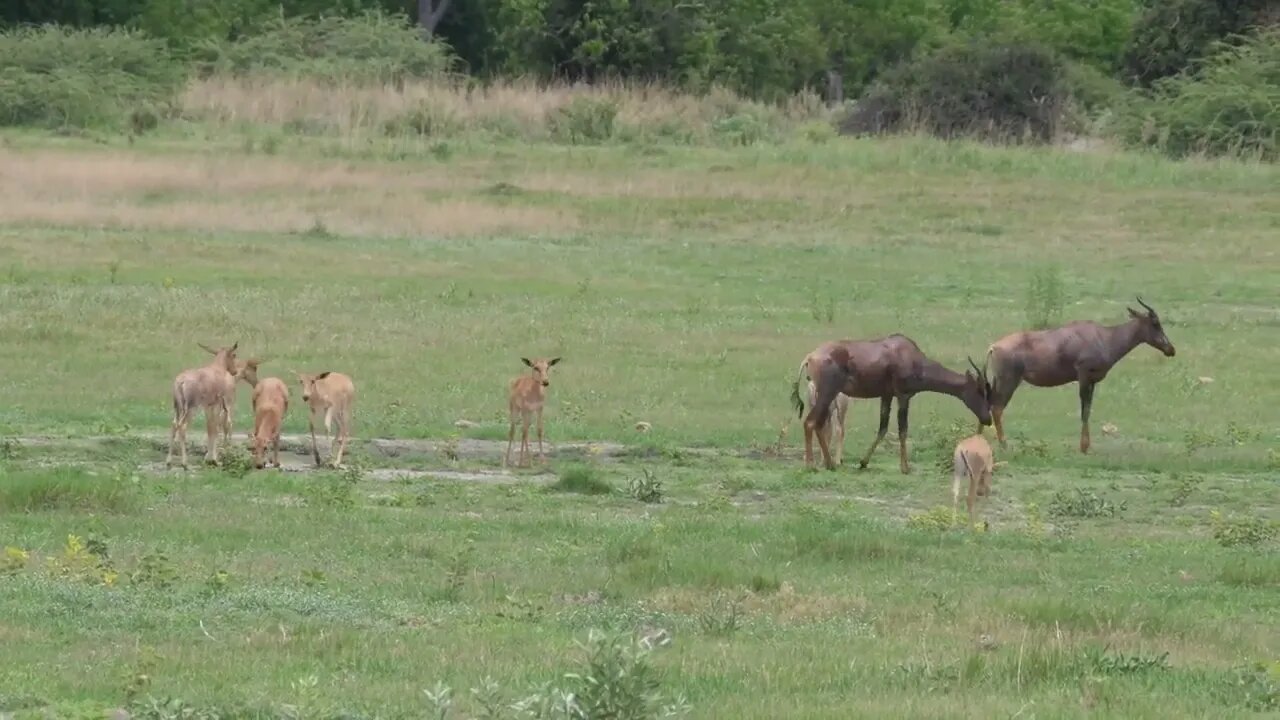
(797, 400)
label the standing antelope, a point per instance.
(839, 409)
(333, 394)
(972, 460)
(886, 368)
(1082, 352)
(527, 396)
(270, 403)
(210, 387)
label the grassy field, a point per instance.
(682, 286)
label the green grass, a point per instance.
(682, 286)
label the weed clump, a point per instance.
(1249, 531)
(1080, 503)
(581, 479)
(647, 488)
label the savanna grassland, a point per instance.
(682, 284)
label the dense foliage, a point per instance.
(999, 69)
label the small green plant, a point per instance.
(154, 569)
(1034, 526)
(765, 583)
(14, 560)
(236, 461)
(647, 488)
(582, 479)
(1183, 487)
(721, 617)
(1081, 503)
(1045, 298)
(314, 577)
(1195, 439)
(937, 518)
(1235, 531)
(336, 493)
(1256, 687)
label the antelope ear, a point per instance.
(323, 375)
(1134, 313)
(553, 361)
(526, 361)
(207, 349)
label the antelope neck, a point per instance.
(936, 378)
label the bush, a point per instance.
(996, 92)
(58, 77)
(1171, 35)
(1231, 532)
(1230, 106)
(1080, 503)
(369, 48)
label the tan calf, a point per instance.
(527, 396)
(973, 460)
(334, 395)
(839, 412)
(270, 403)
(211, 387)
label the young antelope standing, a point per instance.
(527, 396)
(210, 387)
(334, 395)
(972, 460)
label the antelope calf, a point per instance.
(527, 396)
(972, 460)
(837, 414)
(270, 403)
(210, 387)
(334, 395)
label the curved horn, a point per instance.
(1149, 309)
(974, 365)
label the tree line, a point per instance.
(761, 48)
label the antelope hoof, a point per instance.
(862, 464)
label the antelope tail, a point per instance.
(797, 401)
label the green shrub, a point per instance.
(1248, 530)
(1080, 503)
(1171, 35)
(58, 77)
(1229, 106)
(993, 91)
(368, 48)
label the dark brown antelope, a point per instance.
(886, 368)
(1082, 352)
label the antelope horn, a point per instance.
(1148, 307)
(974, 365)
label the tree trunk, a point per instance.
(835, 88)
(429, 14)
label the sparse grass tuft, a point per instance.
(68, 489)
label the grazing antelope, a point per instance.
(210, 387)
(972, 460)
(1082, 352)
(270, 403)
(333, 394)
(886, 368)
(527, 396)
(839, 409)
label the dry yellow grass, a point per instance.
(253, 194)
(519, 108)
